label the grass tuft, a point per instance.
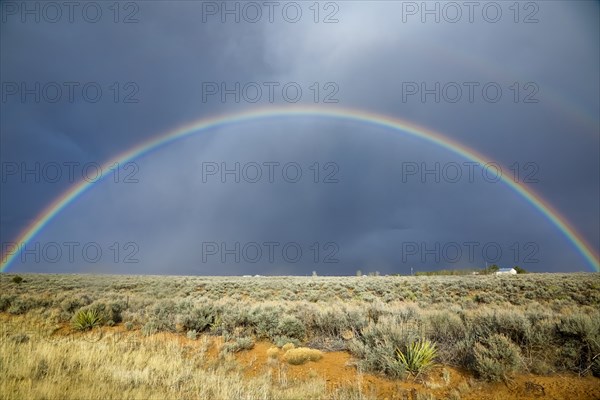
(301, 355)
(273, 352)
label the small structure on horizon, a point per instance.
(506, 271)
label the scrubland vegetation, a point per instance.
(399, 328)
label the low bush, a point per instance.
(18, 306)
(333, 321)
(162, 318)
(376, 346)
(514, 325)
(233, 318)
(578, 336)
(496, 358)
(151, 327)
(595, 367)
(5, 303)
(301, 355)
(192, 335)
(243, 343)
(20, 338)
(291, 327)
(273, 352)
(70, 305)
(445, 327)
(106, 311)
(282, 341)
(264, 320)
(199, 319)
(288, 346)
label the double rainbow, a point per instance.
(52, 210)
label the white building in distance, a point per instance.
(504, 271)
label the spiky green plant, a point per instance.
(86, 319)
(418, 356)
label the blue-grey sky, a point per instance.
(359, 203)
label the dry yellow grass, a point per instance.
(273, 352)
(288, 346)
(125, 366)
(301, 355)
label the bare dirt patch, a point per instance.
(338, 370)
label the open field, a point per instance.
(96, 336)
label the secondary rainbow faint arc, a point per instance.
(308, 111)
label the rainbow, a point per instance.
(52, 210)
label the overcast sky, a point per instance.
(361, 202)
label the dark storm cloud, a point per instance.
(371, 215)
(166, 64)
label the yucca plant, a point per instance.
(86, 319)
(418, 356)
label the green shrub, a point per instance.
(595, 368)
(192, 335)
(264, 320)
(242, 343)
(463, 353)
(281, 341)
(233, 318)
(70, 305)
(20, 338)
(326, 322)
(151, 327)
(418, 356)
(579, 341)
(445, 327)
(114, 311)
(578, 326)
(540, 367)
(291, 327)
(486, 322)
(86, 319)
(106, 311)
(18, 306)
(17, 279)
(199, 319)
(376, 346)
(514, 325)
(5, 303)
(542, 330)
(487, 298)
(409, 313)
(375, 310)
(162, 318)
(495, 358)
(41, 369)
(333, 322)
